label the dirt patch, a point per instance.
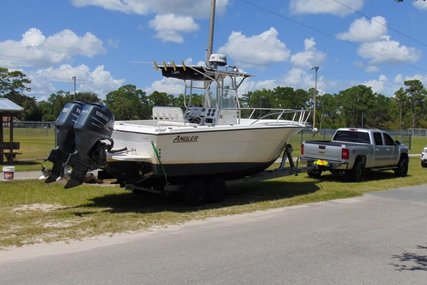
(38, 207)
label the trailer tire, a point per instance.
(358, 172)
(194, 192)
(402, 167)
(216, 190)
(314, 172)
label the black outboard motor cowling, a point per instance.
(64, 138)
(93, 130)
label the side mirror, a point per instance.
(397, 142)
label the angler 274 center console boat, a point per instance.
(199, 147)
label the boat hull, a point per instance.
(176, 154)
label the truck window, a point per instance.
(388, 139)
(378, 139)
(352, 136)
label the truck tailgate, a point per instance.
(323, 150)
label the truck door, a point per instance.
(391, 149)
(381, 154)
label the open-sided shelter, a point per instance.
(8, 110)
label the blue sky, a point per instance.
(109, 43)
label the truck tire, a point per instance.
(402, 168)
(358, 172)
(423, 164)
(314, 172)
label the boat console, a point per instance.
(201, 115)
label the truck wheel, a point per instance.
(357, 173)
(314, 172)
(216, 190)
(423, 164)
(402, 168)
(194, 192)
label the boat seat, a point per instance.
(170, 114)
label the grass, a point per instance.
(33, 212)
(35, 145)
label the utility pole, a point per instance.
(315, 68)
(74, 80)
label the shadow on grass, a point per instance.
(242, 194)
(26, 162)
(370, 176)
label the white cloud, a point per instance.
(252, 85)
(261, 49)
(422, 5)
(325, 7)
(169, 27)
(377, 85)
(193, 8)
(372, 68)
(363, 30)
(171, 86)
(99, 81)
(298, 77)
(34, 49)
(388, 51)
(310, 56)
(400, 79)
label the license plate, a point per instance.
(321, 162)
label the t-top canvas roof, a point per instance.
(7, 106)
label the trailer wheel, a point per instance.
(357, 173)
(194, 192)
(314, 172)
(402, 167)
(216, 190)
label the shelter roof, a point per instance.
(7, 106)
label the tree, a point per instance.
(160, 99)
(417, 94)
(128, 103)
(12, 86)
(13, 82)
(51, 108)
(328, 111)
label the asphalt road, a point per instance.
(380, 238)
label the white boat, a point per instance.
(203, 145)
(213, 140)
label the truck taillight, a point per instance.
(345, 153)
(302, 149)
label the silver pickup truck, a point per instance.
(352, 151)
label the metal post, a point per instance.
(74, 80)
(315, 68)
(211, 32)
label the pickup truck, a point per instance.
(353, 151)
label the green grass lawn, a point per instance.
(32, 211)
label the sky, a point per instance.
(106, 44)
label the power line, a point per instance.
(378, 22)
(392, 59)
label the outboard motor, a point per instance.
(93, 130)
(64, 139)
